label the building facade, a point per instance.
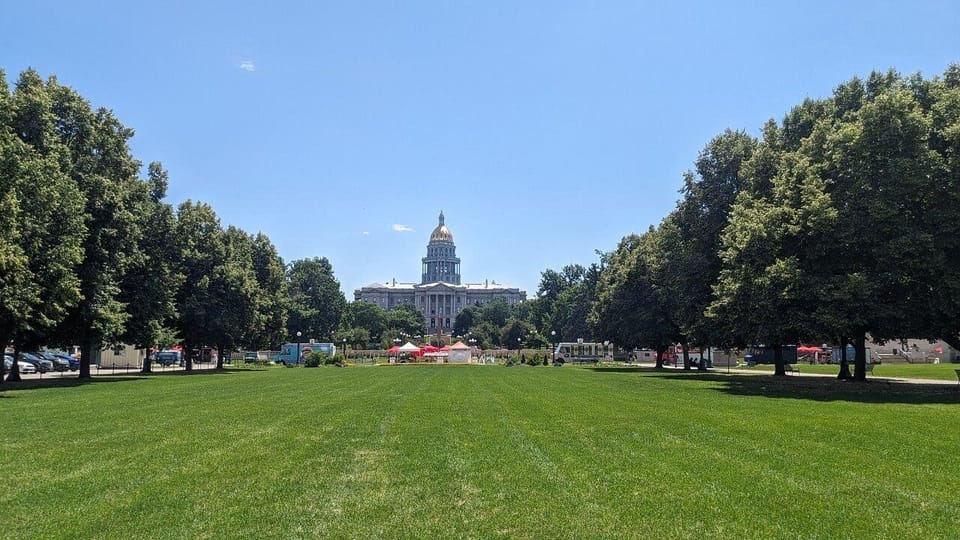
(440, 296)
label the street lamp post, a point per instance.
(299, 333)
(553, 346)
(606, 348)
(344, 350)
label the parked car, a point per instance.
(59, 364)
(73, 362)
(695, 362)
(168, 358)
(42, 364)
(23, 367)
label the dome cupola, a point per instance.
(441, 233)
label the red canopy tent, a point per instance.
(808, 349)
(393, 350)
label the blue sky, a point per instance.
(543, 130)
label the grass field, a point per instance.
(944, 372)
(446, 451)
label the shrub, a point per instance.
(316, 359)
(333, 361)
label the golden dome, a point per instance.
(441, 233)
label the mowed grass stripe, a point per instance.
(418, 451)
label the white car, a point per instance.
(25, 367)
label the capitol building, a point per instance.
(440, 295)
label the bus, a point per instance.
(583, 351)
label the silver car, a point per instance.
(42, 364)
(23, 367)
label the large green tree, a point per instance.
(767, 291)
(402, 320)
(316, 303)
(234, 295)
(41, 220)
(98, 160)
(883, 174)
(941, 97)
(149, 287)
(700, 218)
(634, 307)
(273, 300)
(201, 247)
(90, 148)
(466, 320)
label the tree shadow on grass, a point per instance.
(58, 382)
(69, 382)
(873, 390)
(205, 371)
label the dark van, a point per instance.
(168, 358)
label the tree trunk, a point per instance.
(660, 351)
(778, 366)
(14, 375)
(220, 350)
(188, 356)
(86, 353)
(3, 367)
(703, 359)
(147, 363)
(844, 366)
(686, 356)
(860, 360)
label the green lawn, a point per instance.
(446, 451)
(945, 372)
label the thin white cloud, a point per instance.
(365, 233)
(248, 65)
(402, 228)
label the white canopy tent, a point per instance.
(409, 347)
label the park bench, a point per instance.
(791, 368)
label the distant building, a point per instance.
(439, 296)
(121, 356)
(914, 351)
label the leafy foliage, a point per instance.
(316, 303)
(317, 359)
